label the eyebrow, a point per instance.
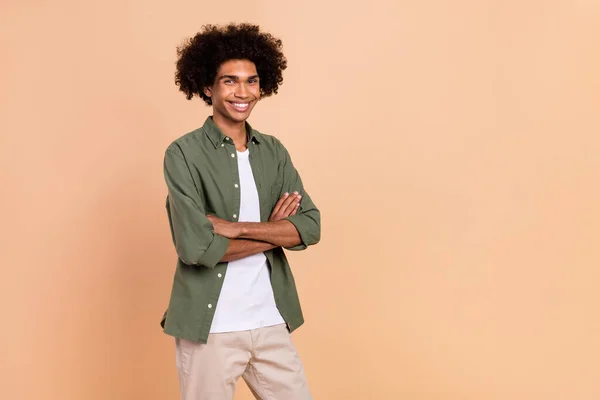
(235, 78)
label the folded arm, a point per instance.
(277, 231)
(242, 248)
(294, 230)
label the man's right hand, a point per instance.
(286, 206)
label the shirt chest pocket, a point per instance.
(271, 183)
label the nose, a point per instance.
(241, 91)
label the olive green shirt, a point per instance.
(202, 177)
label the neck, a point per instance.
(233, 129)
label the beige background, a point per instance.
(452, 147)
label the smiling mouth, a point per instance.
(240, 106)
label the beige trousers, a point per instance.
(266, 358)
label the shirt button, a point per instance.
(210, 306)
(234, 215)
(232, 155)
(219, 275)
(222, 144)
(236, 186)
(226, 138)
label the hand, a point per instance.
(224, 228)
(287, 205)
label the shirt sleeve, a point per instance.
(193, 234)
(307, 219)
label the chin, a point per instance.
(238, 118)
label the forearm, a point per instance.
(279, 233)
(241, 248)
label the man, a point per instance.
(235, 201)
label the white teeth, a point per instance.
(240, 105)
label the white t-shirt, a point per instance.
(246, 300)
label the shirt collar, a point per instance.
(217, 137)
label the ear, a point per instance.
(208, 91)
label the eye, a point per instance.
(228, 81)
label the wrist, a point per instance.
(242, 229)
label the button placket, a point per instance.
(236, 184)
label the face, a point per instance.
(235, 91)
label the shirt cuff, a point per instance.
(215, 251)
(303, 227)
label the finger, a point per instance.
(215, 220)
(295, 209)
(292, 206)
(290, 200)
(280, 203)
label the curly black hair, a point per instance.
(201, 56)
